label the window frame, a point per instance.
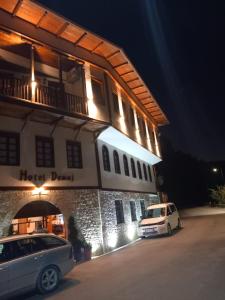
(115, 102)
(139, 170)
(145, 172)
(106, 159)
(126, 166)
(16, 136)
(43, 139)
(133, 211)
(99, 100)
(149, 173)
(133, 168)
(119, 212)
(116, 160)
(74, 144)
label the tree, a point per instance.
(218, 195)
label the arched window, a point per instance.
(139, 170)
(149, 173)
(133, 169)
(116, 162)
(125, 165)
(145, 172)
(105, 158)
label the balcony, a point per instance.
(44, 95)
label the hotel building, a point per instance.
(78, 130)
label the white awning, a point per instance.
(117, 139)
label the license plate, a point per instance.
(149, 230)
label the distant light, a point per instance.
(215, 170)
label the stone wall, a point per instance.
(116, 235)
(94, 212)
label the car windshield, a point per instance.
(154, 213)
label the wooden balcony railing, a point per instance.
(48, 96)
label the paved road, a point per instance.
(189, 265)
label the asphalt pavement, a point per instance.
(188, 265)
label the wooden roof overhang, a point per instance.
(76, 40)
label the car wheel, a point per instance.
(178, 224)
(48, 280)
(169, 230)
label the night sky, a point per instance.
(178, 47)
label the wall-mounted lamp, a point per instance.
(39, 191)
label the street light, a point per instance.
(218, 170)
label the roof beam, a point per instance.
(96, 47)
(112, 54)
(17, 7)
(131, 80)
(138, 86)
(128, 72)
(80, 38)
(120, 65)
(138, 94)
(41, 19)
(62, 28)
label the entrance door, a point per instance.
(39, 216)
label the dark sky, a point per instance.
(178, 46)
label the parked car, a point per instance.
(159, 219)
(33, 261)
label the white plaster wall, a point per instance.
(87, 176)
(121, 181)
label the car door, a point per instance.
(173, 216)
(4, 269)
(26, 265)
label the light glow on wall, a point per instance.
(112, 239)
(137, 131)
(95, 245)
(92, 109)
(118, 140)
(131, 229)
(148, 137)
(122, 121)
(39, 191)
(156, 143)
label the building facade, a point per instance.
(78, 130)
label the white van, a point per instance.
(159, 219)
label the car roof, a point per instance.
(23, 236)
(160, 205)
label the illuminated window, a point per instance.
(133, 169)
(116, 162)
(9, 148)
(149, 173)
(98, 94)
(44, 152)
(145, 172)
(115, 102)
(142, 204)
(74, 154)
(105, 157)
(119, 211)
(139, 170)
(133, 211)
(126, 166)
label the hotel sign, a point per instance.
(52, 176)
